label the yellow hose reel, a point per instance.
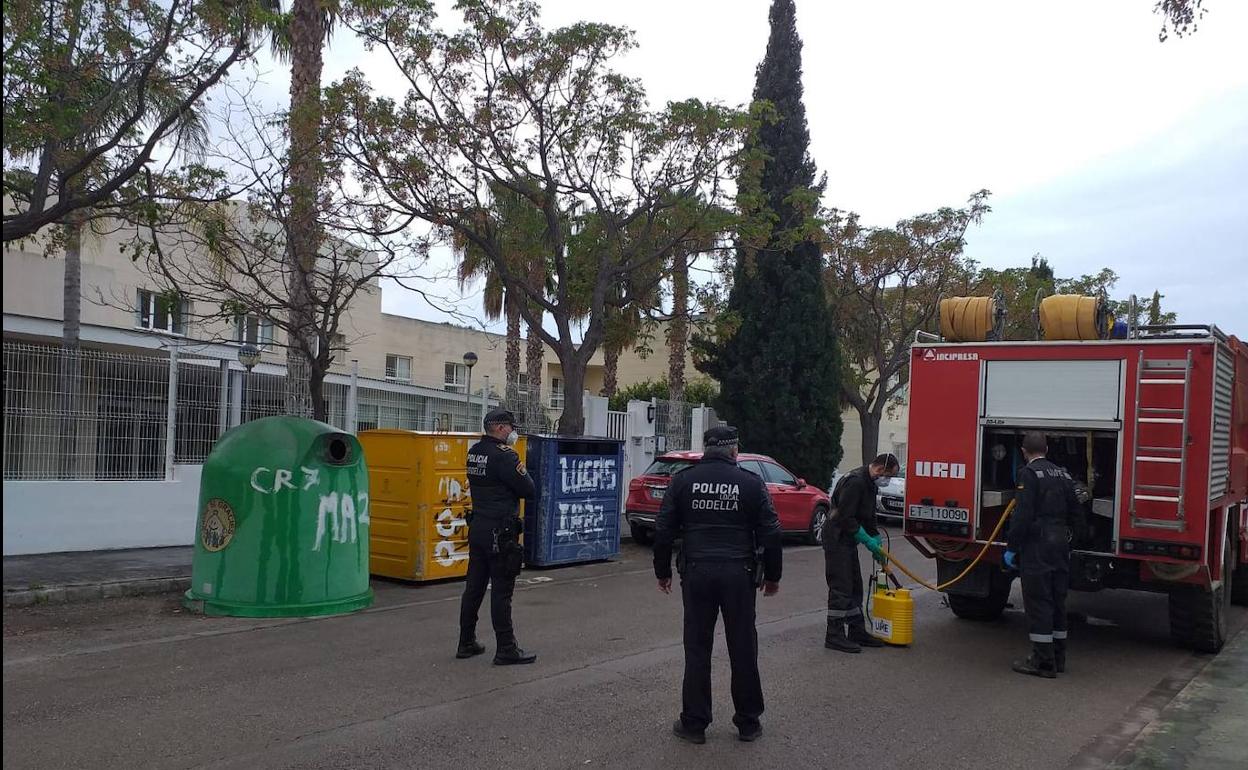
(972, 319)
(1074, 317)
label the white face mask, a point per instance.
(881, 482)
(512, 438)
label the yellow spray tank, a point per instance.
(892, 613)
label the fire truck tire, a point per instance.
(1199, 617)
(983, 608)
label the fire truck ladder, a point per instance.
(1158, 376)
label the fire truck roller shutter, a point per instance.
(1074, 317)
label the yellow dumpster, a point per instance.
(418, 487)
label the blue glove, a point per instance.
(1009, 559)
(862, 537)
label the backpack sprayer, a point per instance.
(890, 611)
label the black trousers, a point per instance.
(485, 568)
(1044, 601)
(844, 575)
(709, 588)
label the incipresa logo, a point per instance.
(932, 355)
(934, 470)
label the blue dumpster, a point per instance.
(577, 513)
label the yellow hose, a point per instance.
(997, 530)
(966, 319)
(1073, 317)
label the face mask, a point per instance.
(882, 482)
(512, 438)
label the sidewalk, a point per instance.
(1204, 726)
(86, 575)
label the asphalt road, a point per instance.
(138, 683)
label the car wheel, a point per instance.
(814, 535)
(641, 535)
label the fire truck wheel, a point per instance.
(987, 607)
(1198, 617)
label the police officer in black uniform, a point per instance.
(853, 500)
(497, 480)
(725, 516)
(1046, 512)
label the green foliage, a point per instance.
(93, 87)
(505, 102)
(774, 352)
(699, 391)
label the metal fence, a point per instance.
(617, 425)
(108, 416)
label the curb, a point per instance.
(89, 592)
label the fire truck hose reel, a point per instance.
(968, 319)
(1074, 317)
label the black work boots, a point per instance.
(512, 655)
(468, 648)
(837, 639)
(1039, 663)
(1059, 655)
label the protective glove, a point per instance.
(862, 537)
(1010, 558)
(879, 555)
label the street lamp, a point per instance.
(248, 356)
(470, 360)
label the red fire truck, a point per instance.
(1153, 427)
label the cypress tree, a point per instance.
(775, 355)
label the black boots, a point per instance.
(837, 639)
(469, 647)
(1040, 663)
(858, 635)
(1059, 655)
(510, 654)
(685, 734)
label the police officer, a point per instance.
(497, 480)
(1045, 513)
(724, 515)
(853, 522)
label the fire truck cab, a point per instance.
(1153, 426)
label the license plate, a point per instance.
(940, 513)
(657, 494)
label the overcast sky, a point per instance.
(1102, 146)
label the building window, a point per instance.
(159, 312)
(456, 377)
(398, 368)
(556, 393)
(522, 384)
(253, 329)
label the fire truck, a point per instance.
(1153, 428)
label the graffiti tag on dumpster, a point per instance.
(447, 551)
(587, 474)
(281, 479)
(581, 521)
(338, 515)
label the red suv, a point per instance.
(802, 508)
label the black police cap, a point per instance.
(500, 415)
(720, 435)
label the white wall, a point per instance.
(51, 516)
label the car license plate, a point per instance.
(940, 513)
(657, 492)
